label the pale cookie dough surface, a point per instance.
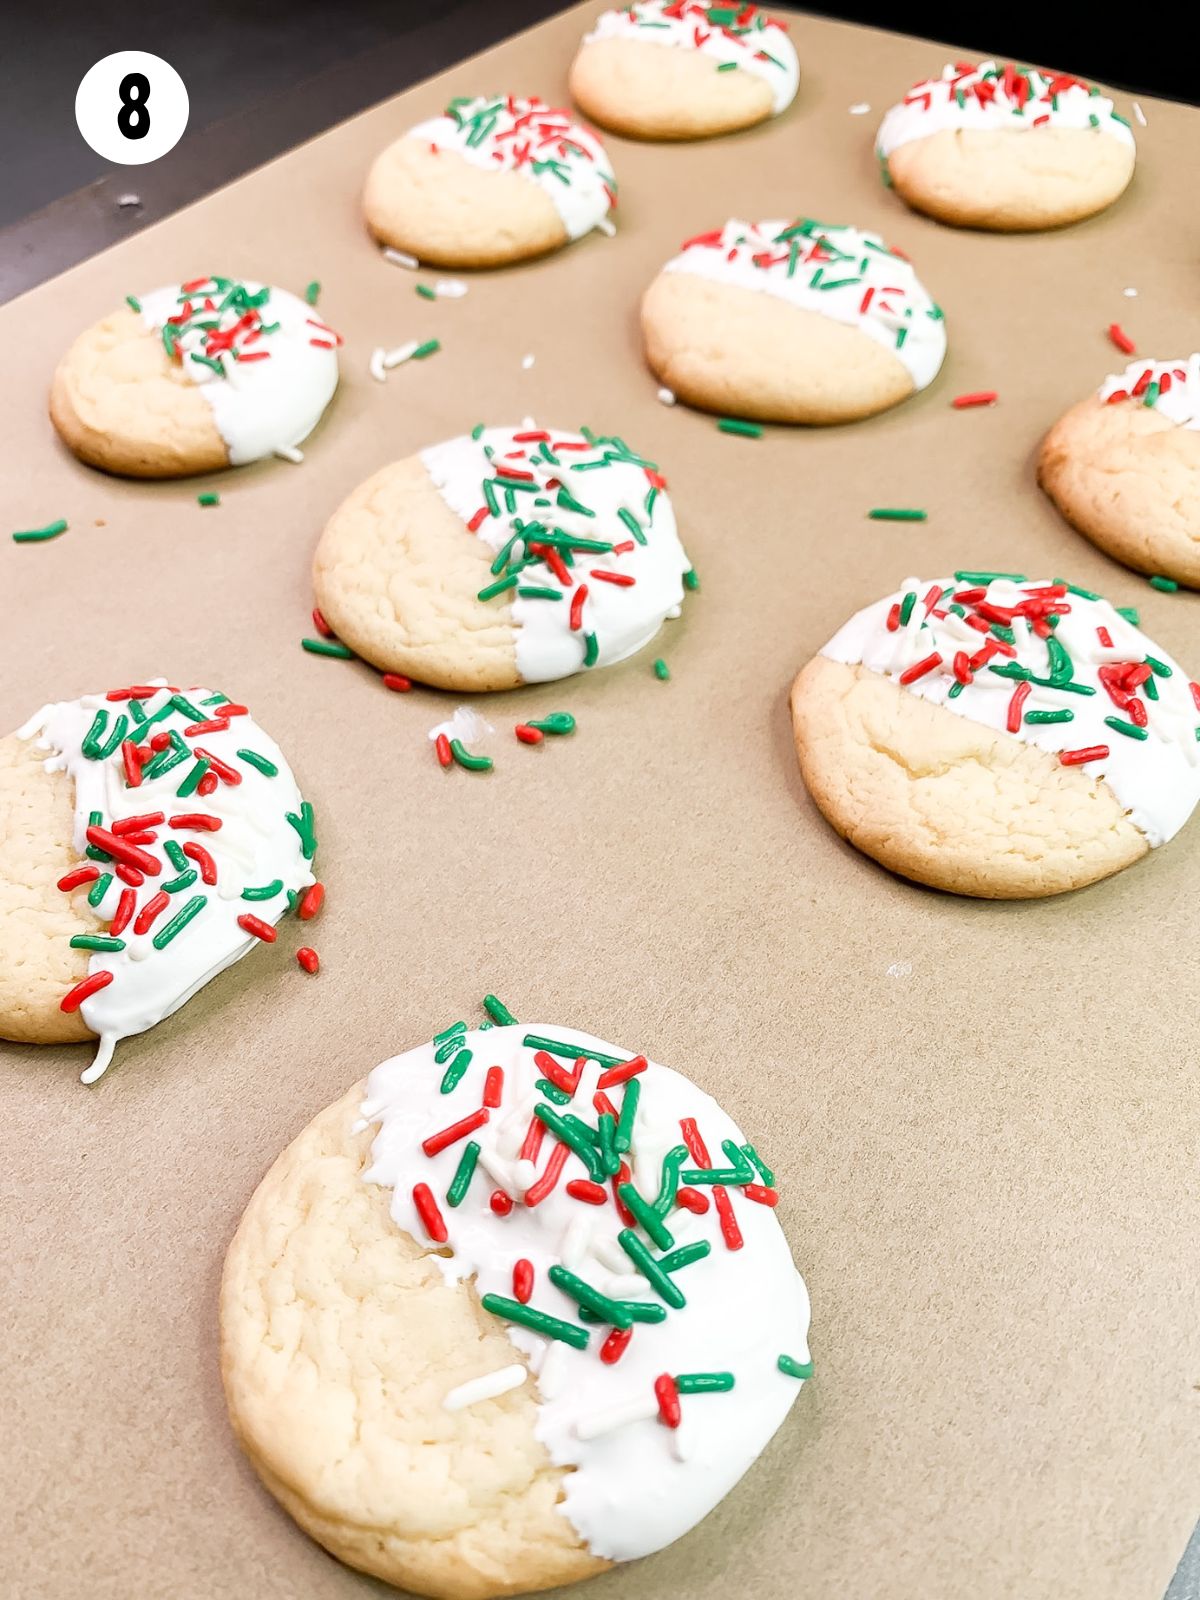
(37, 919)
(339, 1341)
(684, 70)
(1127, 474)
(948, 802)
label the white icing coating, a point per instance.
(840, 272)
(1156, 778)
(630, 1493)
(267, 404)
(619, 617)
(544, 143)
(1177, 395)
(741, 36)
(254, 846)
(997, 99)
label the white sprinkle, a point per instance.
(1139, 113)
(450, 288)
(401, 354)
(1130, 294)
(575, 1240)
(376, 368)
(524, 1175)
(466, 724)
(288, 452)
(606, 227)
(626, 1286)
(550, 1373)
(496, 1168)
(527, 362)
(859, 110)
(400, 258)
(124, 201)
(360, 1126)
(618, 1416)
(667, 396)
(678, 1443)
(900, 969)
(485, 1388)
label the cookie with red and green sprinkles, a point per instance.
(197, 376)
(542, 1315)
(149, 837)
(503, 557)
(1004, 147)
(1123, 467)
(682, 69)
(1000, 736)
(490, 181)
(801, 322)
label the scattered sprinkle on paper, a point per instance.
(126, 201)
(466, 724)
(666, 396)
(900, 969)
(400, 258)
(860, 110)
(288, 452)
(1130, 294)
(606, 227)
(449, 288)
(527, 362)
(1139, 114)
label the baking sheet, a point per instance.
(984, 1116)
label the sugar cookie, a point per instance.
(791, 322)
(993, 147)
(148, 839)
(489, 182)
(198, 376)
(998, 737)
(503, 557)
(1123, 467)
(499, 1325)
(683, 70)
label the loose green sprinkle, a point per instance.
(1131, 614)
(691, 579)
(555, 722)
(463, 1174)
(704, 1382)
(266, 891)
(1129, 729)
(209, 499)
(180, 921)
(253, 759)
(477, 431)
(453, 1074)
(40, 535)
(426, 292)
(896, 514)
(794, 1368)
(312, 293)
(1166, 585)
(328, 647)
(96, 941)
(134, 304)
(498, 1011)
(427, 349)
(100, 888)
(540, 1322)
(465, 759)
(661, 670)
(744, 430)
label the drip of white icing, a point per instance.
(630, 1493)
(1177, 396)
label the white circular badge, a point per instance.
(131, 107)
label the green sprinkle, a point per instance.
(691, 579)
(794, 1368)
(210, 499)
(185, 880)
(647, 1215)
(453, 1074)
(465, 759)
(40, 535)
(533, 591)
(632, 523)
(1131, 615)
(569, 1052)
(477, 431)
(906, 607)
(571, 1132)
(100, 888)
(493, 589)
(591, 650)
(463, 1174)
(669, 1182)
(1160, 669)
(1129, 729)
(556, 722)
(1040, 717)
(623, 1136)
(685, 1255)
(896, 514)
(448, 1033)
(132, 301)
(663, 1285)
(427, 349)
(756, 1161)
(312, 293)
(956, 689)
(190, 783)
(266, 891)
(989, 577)
(744, 430)
(426, 292)
(704, 1382)
(727, 66)
(611, 1311)
(96, 941)
(552, 1092)
(180, 921)
(661, 670)
(498, 1011)
(606, 1128)
(303, 825)
(175, 855)
(1166, 585)
(540, 1322)
(328, 647)
(253, 759)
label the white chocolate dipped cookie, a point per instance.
(149, 838)
(679, 69)
(1005, 148)
(998, 737)
(1123, 467)
(505, 556)
(490, 181)
(791, 322)
(194, 377)
(522, 1312)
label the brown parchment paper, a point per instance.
(984, 1116)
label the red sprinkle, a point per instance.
(153, 907)
(72, 880)
(442, 750)
(691, 1200)
(522, 1280)
(133, 767)
(592, 1194)
(615, 1346)
(983, 397)
(1077, 758)
(255, 925)
(493, 1087)
(140, 691)
(920, 668)
(82, 991)
(577, 600)
(568, 1082)
(310, 902)
(500, 1202)
(528, 735)
(397, 681)
(477, 520)
(321, 625)
(223, 770)
(1120, 338)
(667, 1396)
(538, 1191)
(622, 1073)
(199, 820)
(124, 911)
(621, 578)
(457, 1130)
(308, 958)
(212, 725)
(128, 874)
(1019, 696)
(149, 819)
(761, 1195)
(120, 850)
(730, 1231)
(208, 867)
(427, 1210)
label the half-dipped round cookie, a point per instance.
(791, 322)
(998, 737)
(211, 373)
(679, 69)
(1123, 467)
(490, 181)
(515, 1310)
(506, 556)
(1010, 149)
(149, 838)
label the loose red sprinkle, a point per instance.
(72, 880)
(1121, 339)
(615, 1346)
(308, 958)
(208, 867)
(538, 1191)
(493, 1087)
(691, 1200)
(156, 904)
(200, 820)
(500, 1202)
(397, 681)
(522, 1280)
(321, 625)
(442, 750)
(983, 397)
(427, 1210)
(124, 911)
(592, 1194)
(75, 997)
(310, 902)
(1077, 758)
(528, 735)
(667, 1396)
(255, 925)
